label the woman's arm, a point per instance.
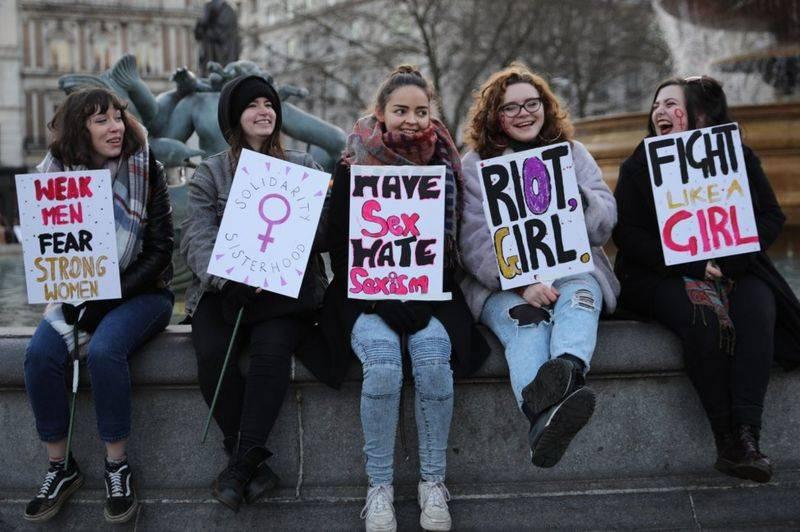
(476, 246)
(600, 208)
(201, 226)
(158, 238)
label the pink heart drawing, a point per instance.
(299, 272)
(229, 270)
(287, 170)
(283, 281)
(305, 175)
(244, 169)
(318, 194)
(266, 284)
(220, 255)
(266, 163)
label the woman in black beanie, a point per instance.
(273, 325)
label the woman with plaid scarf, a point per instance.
(401, 131)
(92, 130)
(731, 314)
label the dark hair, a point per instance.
(691, 111)
(483, 131)
(71, 143)
(272, 146)
(402, 76)
(708, 99)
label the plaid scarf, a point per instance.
(130, 189)
(368, 144)
(714, 295)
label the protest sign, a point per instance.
(269, 223)
(533, 209)
(701, 193)
(396, 245)
(69, 240)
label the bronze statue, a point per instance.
(217, 31)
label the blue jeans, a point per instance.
(378, 348)
(119, 334)
(570, 326)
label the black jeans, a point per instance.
(731, 388)
(247, 406)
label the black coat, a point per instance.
(640, 259)
(340, 313)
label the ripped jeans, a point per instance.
(378, 348)
(569, 326)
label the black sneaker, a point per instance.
(59, 484)
(229, 487)
(553, 430)
(121, 503)
(556, 379)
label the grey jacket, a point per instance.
(600, 212)
(208, 194)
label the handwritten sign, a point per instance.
(396, 232)
(702, 195)
(270, 220)
(533, 208)
(69, 240)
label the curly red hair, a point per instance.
(483, 132)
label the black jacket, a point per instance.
(151, 270)
(640, 259)
(340, 313)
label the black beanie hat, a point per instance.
(237, 94)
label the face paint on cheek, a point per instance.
(680, 117)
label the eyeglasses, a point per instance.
(513, 109)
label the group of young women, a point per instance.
(548, 330)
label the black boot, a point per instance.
(738, 455)
(553, 430)
(263, 480)
(229, 487)
(555, 380)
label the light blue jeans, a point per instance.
(570, 327)
(378, 348)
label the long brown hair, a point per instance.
(272, 146)
(71, 142)
(483, 132)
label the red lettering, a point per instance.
(717, 223)
(735, 225)
(367, 209)
(666, 234)
(410, 222)
(63, 214)
(62, 188)
(48, 192)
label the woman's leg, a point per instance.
(378, 348)
(524, 332)
(429, 350)
(120, 333)
(45, 365)
(707, 365)
(575, 317)
(272, 343)
(752, 310)
(210, 336)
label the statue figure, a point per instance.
(191, 107)
(217, 31)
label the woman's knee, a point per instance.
(46, 349)
(106, 351)
(382, 378)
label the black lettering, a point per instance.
(657, 160)
(554, 155)
(495, 194)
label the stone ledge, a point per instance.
(623, 347)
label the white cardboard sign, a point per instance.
(69, 240)
(396, 245)
(270, 220)
(535, 215)
(702, 194)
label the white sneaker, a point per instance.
(433, 497)
(379, 510)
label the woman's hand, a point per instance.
(540, 295)
(713, 272)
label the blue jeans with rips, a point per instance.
(567, 327)
(120, 333)
(378, 348)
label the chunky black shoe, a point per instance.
(229, 487)
(556, 379)
(738, 455)
(552, 431)
(59, 484)
(263, 480)
(121, 503)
